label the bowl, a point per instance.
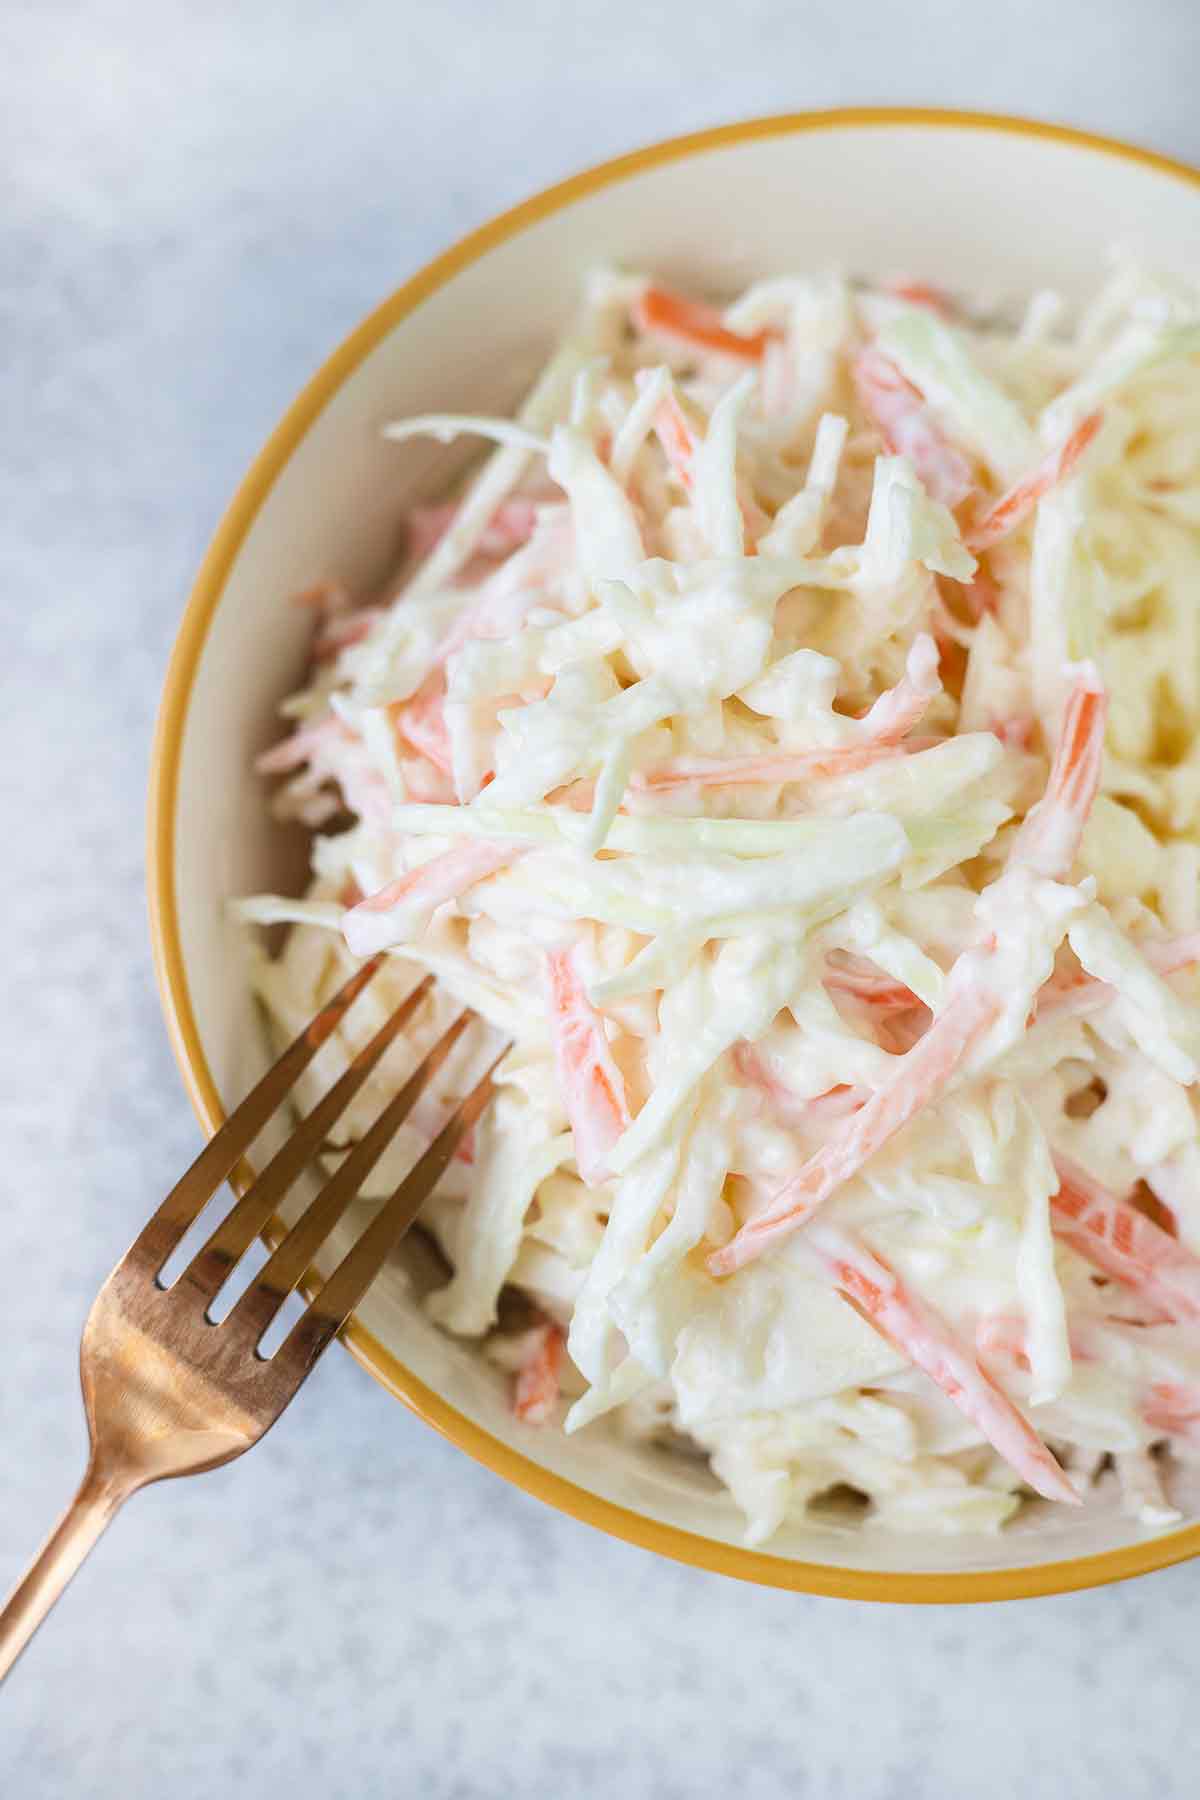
(996, 206)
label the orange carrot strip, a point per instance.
(1081, 993)
(1116, 1238)
(675, 433)
(326, 598)
(923, 293)
(922, 1075)
(876, 990)
(908, 427)
(795, 765)
(885, 725)
(368, 927)
(982, 594)
(1015, 733)
(1003, 1334)
(421, 721)
(787, 1106)
(1019, 502)
(1173, 1408)
(511, 526)
(898, 709)
(302, 746)
(1048, 841)
(535, 1394)
(880, 1297)
(592, 1088)
(680, 441)
(339, 632)
(660, 313)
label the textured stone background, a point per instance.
(198, 201)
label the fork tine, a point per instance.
(286, 1267)
(193, 1191)
(243, 1223)
(326, 1315)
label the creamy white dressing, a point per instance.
(650, 713)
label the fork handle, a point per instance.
(89, 1513)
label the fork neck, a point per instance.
(106, 1487)
(101, 1493)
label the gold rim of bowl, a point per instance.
(171, 975)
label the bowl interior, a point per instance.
(990, 209)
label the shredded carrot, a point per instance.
(1083, 993)
(324, 597)
(923, 293)
(788, 1107)
(337, 634)
(660, 313)
(1047, 842)
(420, 721)
(1050, 835)
(981, 594)
(592, 1086)
(1118, 1239)
(511, 526)
(1015, 506)
(884, 727)
(878, 991)
(923, 1074)
(908, 428)
(535, 1392)
(880, 1297)
(736, 771)
(1172, 1408)
(1015, 733)
(431, 884)
(678, 437)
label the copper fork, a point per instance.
(169, 1392)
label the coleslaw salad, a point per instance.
(736, 749)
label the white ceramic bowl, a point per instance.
(991, 205)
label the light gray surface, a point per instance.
(200, 200)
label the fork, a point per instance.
(167, 1390)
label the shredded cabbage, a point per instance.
(835, 882)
